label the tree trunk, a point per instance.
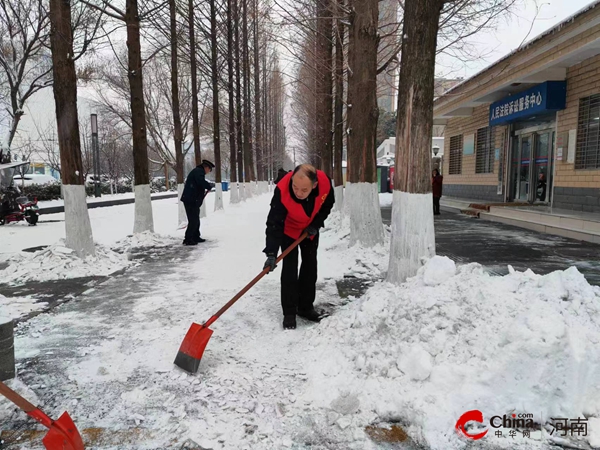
(143, 206)
(78, 229)
(413, 234)
(194, 70)
(177, 132)
(338, 141)
(234, 193)
(216, 115)
(257, 98)
(238, 87)
(246, 86)
(361, 190)
(324, 88)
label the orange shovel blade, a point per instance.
(63, 435)
(192, 348)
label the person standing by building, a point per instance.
(196, 188)
(436, 185)
(301, 202)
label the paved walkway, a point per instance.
(496, 245)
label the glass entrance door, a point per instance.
(520, 165)
(531, 167)
(542, 174)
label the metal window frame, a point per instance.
(587, 149)
(484, 150)
(456, 153)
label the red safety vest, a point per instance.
(297, 220)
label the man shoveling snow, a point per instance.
(301, 202)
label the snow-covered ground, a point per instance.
(450, 340)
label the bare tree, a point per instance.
(233, 143)
(215, 102)
(194, 80)
(132, 18)
(324, 84)
(257, 105)
(77, 221)
(338, 123)
(25, 60)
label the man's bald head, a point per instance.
(304, 180)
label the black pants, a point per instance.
(436, 205)
(299, 291)
(192, 233)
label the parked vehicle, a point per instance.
(15, 207)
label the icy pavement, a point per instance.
(496, 245)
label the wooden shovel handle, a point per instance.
(16, 398)
(253, 282)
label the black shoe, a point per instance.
(200, 241)
(310, 314)
(189, 243)
(289, 322)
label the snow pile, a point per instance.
(147, 239)
(336, 258)
(450, 340)
(16, 307)
(57, 262)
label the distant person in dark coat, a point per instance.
(280, 174)
(436, 185)
(196, 188)
(301, 202)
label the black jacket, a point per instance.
(280, 174)
(278, 214)
(196, 187)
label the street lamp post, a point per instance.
(96, 155)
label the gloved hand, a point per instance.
(311, 230)
(270, 263)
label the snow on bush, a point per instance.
(450, 340)
(57, 262)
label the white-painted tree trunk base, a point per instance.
(366, 226)
(218, 197)
(234, 193)
(248, 190)
(242, 188)
(264, 187)
(338, 191)
(182, 216)
(413, 235)
(143, 220)
(203, 209)
(78, 229)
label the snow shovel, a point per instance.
(196, 339)
(63, 434)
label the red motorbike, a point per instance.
(13, 206)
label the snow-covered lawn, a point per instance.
(450, 340)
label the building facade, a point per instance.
(527, 128)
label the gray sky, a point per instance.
(512, 32)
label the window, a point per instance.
(456, 151)
(485, 151)
(587, 155)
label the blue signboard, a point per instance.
(550, 96)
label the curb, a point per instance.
(121, 201)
